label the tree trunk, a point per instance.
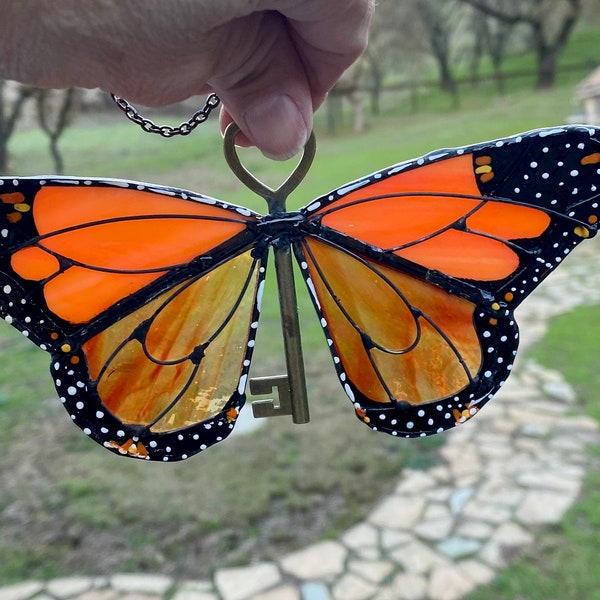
(56, 156)
(62, 119)
(546, 71)
(376, 82)
(548, 44)
(3, 140)
(3, 156)
(9, 116)
(499, 80)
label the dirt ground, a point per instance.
(68, 507)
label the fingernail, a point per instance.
(277, 127)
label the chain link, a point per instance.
(167, 131)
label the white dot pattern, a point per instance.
(554, 171)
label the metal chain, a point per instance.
(167, 131)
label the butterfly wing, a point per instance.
(417, 269)
(146, 298)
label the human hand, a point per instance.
(271, 62)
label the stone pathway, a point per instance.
(516, 467)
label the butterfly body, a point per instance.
(148, 298)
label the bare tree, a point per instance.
(10, 111)
(551, 23)
(405, 36)
(54, 112)
(491, 37)
(439, 21)
(394, 49)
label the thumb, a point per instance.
(274, 123)
(268, 96)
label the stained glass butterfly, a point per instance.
(148, 297)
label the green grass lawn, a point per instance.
(69, 507)
(562, 564)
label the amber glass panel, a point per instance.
(416, 363)
(136, 388)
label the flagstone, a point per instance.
(459, 498)
(484, 511)
(21, 591)
(391, 539)
(398, 512)
(322, 561)
(374, 571)
(68, 587)
(361, 536)
(559, 390)
(194, 595)
(244, 582)
(449, 583)
(315, 591)
(576, 424)
(458, 547)
(415, 482)
(281, 593)
(194, 590)
(439, 493)
(142, 582)
(417, 557)
(543, 506)
(436, 528)
(475, 529)
(501, 491)
(505, 545)
(476, 571)
(104, 594)
(560, 480)
(406, 586)
(353, 587)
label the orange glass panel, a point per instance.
(391, 222)
(137, 390)
(399, 220)
(12, 198)
(591, 159)
(58, 207)
(464, 255)
(176, 237)
(142, 244)
(509, 221)
(408, 215)
(428, 367)
(453, 175)
(78, 295)
(34, 263)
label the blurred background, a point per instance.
(437, 73)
